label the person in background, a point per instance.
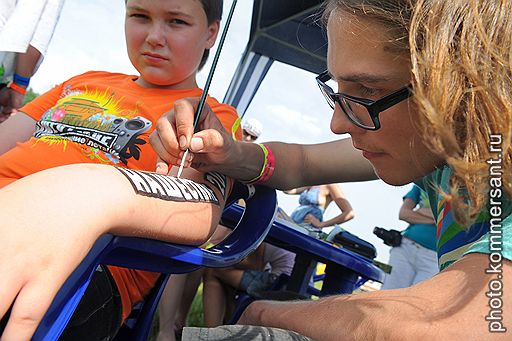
(251, 129)
(415, 259)
(314, 200)
(259, 272)
(26, 29)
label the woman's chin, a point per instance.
(394, 177)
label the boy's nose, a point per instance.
(156, 35)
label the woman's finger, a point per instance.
(164, 139)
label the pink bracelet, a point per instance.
(269, 167)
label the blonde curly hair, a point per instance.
(462, 79)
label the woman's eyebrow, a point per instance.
(361, 78)
(364, 78)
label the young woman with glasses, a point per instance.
(424, 88)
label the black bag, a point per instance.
(355, 244)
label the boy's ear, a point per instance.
(213, 31)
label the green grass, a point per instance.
(195, 316)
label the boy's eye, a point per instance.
(178, 22)
(138, 15)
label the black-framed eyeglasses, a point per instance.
(363, 112)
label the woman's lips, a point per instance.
(372, 155)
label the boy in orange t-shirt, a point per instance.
(106, 118)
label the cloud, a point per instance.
(293, 121)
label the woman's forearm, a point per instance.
(339, 219)
(456, 311)
(296, 165)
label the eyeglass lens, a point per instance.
(357, 112)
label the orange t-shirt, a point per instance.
(106, 118)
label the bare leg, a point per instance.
(171, 298)
(189, 293)
(215, 295)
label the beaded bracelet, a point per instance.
(17, 88)
(23, 81)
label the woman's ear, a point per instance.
(213, 31)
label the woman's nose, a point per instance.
(340, 124)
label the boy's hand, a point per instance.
(36, 258)
(174, 133)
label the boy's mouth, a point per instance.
(153, 57)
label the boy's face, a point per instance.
(166, 40)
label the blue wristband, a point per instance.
(20, 80)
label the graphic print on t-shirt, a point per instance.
(95, 121)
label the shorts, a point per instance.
(254, 281)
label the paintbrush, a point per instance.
(209, 80)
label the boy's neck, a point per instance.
(184, 85)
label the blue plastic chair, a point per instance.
(166, 258)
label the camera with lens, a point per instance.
(392, 238)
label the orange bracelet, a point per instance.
(17, 88)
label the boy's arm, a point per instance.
(453, 305)
(51, 219)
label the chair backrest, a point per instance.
(152, 255)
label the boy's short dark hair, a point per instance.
(213, 10)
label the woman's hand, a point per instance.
(312, 220)
(209, 147)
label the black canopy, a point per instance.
(288, 31)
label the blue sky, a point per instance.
(90, 36)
